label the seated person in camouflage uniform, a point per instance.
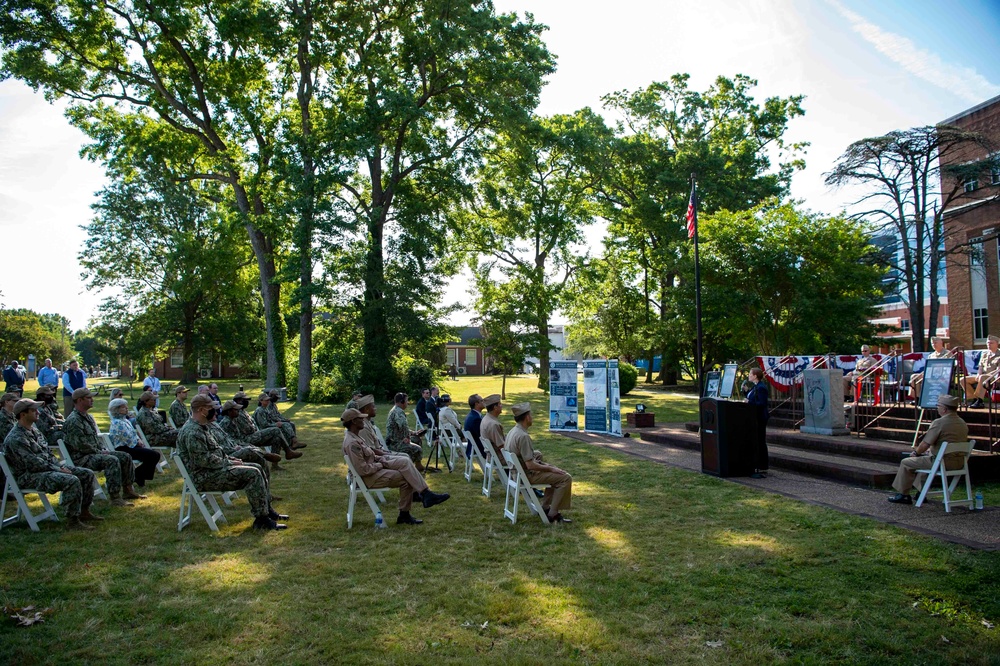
(179, 413)
(378, 470)
(212, 470)
(353, 402)
(33, 466)
(83, 442)
(267, 415)
(241, 426)
(50, 421)
(7, 418)
(398, 433)
(277, 416)
(235, 448)
(156, 431)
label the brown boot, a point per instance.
(292, 455)
(275, 498)
(76, 523)
(276, 468)
(89, 517)
(131, 494)
(118, 501)
(296, 444)
(272, 457)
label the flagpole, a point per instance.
(697, 285)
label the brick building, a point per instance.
(972, 221)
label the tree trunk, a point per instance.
(543, 355)
(376, 364)
(304, 235)
(503, 387)
(190, 375)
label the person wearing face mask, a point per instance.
(241, 427)
(211, 469)
(50, 421)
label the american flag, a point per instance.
(692, 214)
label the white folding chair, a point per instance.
(191, 495)
(493, 464)
(11, 488)
(938, 471)
(99, 490)
(475, 458)
(519, 487)
(170, 421)
(165, 451)
(357, 485)
(381, 439)
(450, 437)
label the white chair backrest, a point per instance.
(170, 421)
(381, 439)
(939, 471)
(142, 435)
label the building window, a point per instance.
(904, 325)
(177, 358)
(971, 184)
(945, 321)
(981, 323)
(470, 356)
(452, 356)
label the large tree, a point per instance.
(534, 197)
(910, 178)
(668, 132)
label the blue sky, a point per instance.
(865, 68)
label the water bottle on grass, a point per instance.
(379, 523)
(979, 500)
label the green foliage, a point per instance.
(329, 389)
(628, 376)
(415, 375)
(24, 332)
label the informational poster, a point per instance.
(614, 399)
(728, 380)
(564, 413)
(937, 381)
(595, 396)
(712, 381)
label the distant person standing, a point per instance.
(14, 377)
(73, 379)
(48, 376)
(758, 398)
(153, 382)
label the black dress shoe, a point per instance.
(558, 518)
(430, 498)
(274, 515)
(416, 496)
(977, 404)
(407, 519)
(265, 523)
(900, 498)
(538, 493)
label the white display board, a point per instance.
(564, 411)
(595, 396)
(614, 400)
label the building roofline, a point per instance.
(969, 112)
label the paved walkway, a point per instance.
(975, 529)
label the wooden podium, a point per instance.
(728, 434)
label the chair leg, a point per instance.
(350, 505)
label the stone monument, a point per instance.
(823, 395)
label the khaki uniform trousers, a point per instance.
(398, 472)
(907, 475)
(559, 494)
(981, 386)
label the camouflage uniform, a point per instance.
(7, 423)
(179, 412)
(210, 469)
(396, 430)
(80, 435)
(50, 423)
(33, 466)
(156, 431)
(265, 418)
(234, 448)
(244, 429)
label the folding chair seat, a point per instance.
(190, 495)
(474, 459)
(109, 447)
(100, 492)
(165, 451)
(357, 485)
(938, 471)
(451, 439)
(518, 487)
(19, 494)
(493, 466)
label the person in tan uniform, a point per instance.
(989, 370)
(490, 429)
(558, 495)
(866, 362)
(383, 471)
(948, 427)
(917, 378)
(366, 405)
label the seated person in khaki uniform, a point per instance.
(948, 427)
(989, 369)
(379, 470)
(490, 428)
(866, 362)
(558, 495)
(917, 378)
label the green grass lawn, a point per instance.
(659, 566)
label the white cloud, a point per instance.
(963, 82)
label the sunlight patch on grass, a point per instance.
(762, 542)
(613, 541)
(559, 612)
(228, 572)
(611, 463)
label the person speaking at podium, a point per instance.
(758, 398)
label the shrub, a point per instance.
(329, 389)
(628, 375)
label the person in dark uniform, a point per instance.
(758, 397)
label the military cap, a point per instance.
(10, 397)
(201, 401)
(45, 388)
(241, 395)
(146, 396)
(946, 400)
(349, 415)
(231, 405)
(520, 408)
(993, 338)
(26, 403)
(365, 400)
(180, 389)
(262, 397)
(491, 400)
(82, 392)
